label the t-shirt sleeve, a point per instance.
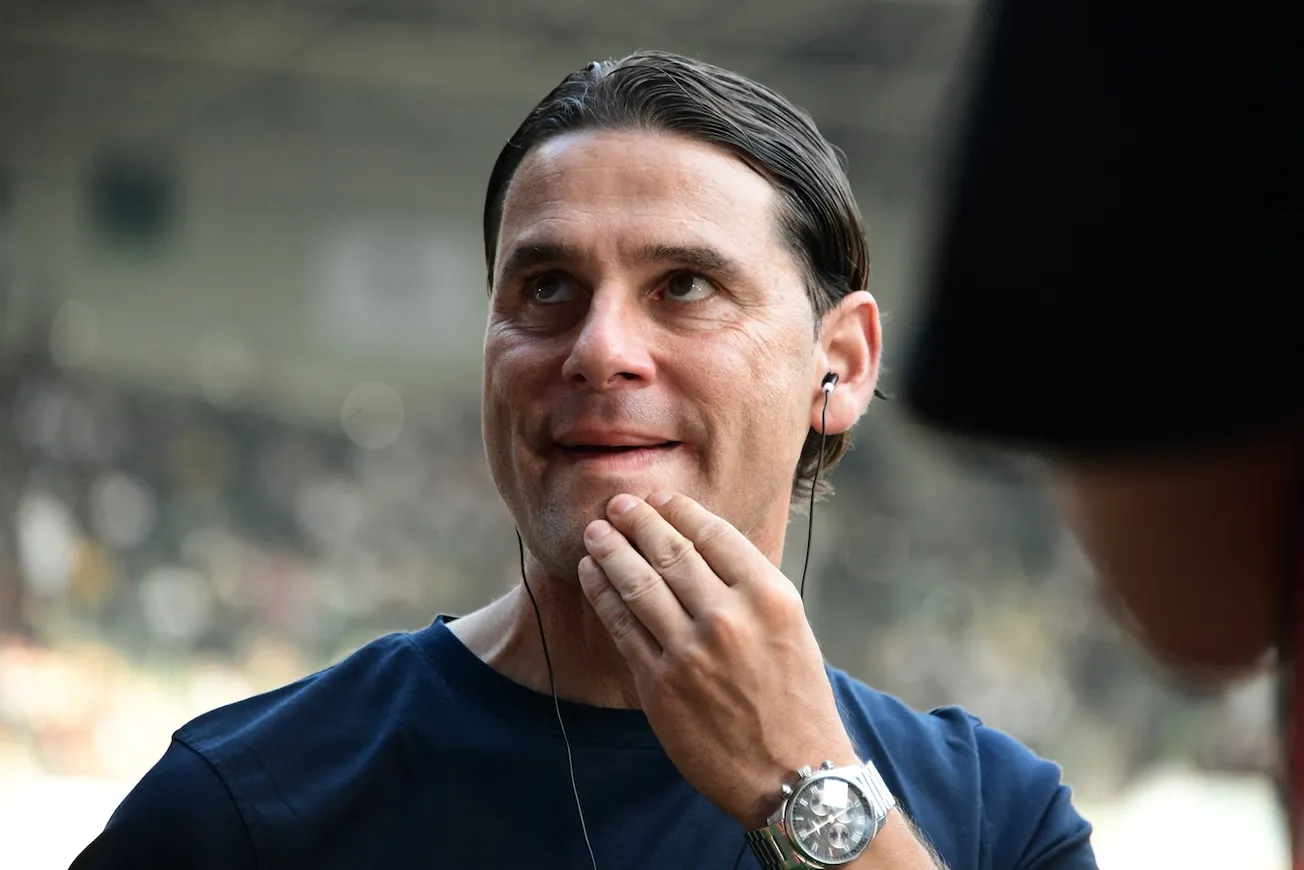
(1114, 263)
(1028, 809)
(180, 815)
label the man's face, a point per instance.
(648, 330)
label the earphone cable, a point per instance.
(556, 705)
(814, 488)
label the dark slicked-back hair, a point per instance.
(658, 92)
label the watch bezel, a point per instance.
(873, 824)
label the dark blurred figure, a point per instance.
(1116, 287)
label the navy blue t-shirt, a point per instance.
(414, 753)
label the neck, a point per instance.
(586, 665)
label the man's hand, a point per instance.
(727, 668)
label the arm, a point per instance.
(1062, 841)
(180, 815)
(1029, 818)
(899, 846)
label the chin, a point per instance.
(554, 536)
(552, 524)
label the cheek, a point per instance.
(499, 392)
(513, 367)
(491, 380)
(780, 373)
(764, 391)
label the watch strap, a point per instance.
(881, 799)
(773, 849)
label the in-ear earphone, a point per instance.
(826, 385)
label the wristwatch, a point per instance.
(826, 819)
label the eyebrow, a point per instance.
(700, 258)
(524, 258)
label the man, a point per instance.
(1117, 286)
(678, 309)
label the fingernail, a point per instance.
(620, 504)
(597, 530)
(589, 575)
(658, 499)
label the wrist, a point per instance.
(768, 796)
(898, 846)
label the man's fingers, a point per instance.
(724, 549)
(639, 585)
(633, 640)
(669, 553)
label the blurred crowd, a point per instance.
(161, 555)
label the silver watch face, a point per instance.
(829, 821)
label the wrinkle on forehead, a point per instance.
(644, 183)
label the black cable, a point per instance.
(742, 850)
(810, 528)
(814, 488)
(556, 705)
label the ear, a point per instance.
(850, 343)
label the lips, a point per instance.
(603, 440)
(607, 450)
(617, 448)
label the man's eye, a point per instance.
(551, 289)
(685, 287)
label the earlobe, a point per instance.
(832, 413)
(851, 340)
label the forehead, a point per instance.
(611, 189)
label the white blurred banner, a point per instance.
(382, 286)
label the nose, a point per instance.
(612, 349)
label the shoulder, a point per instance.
(235, 764)
(358, 690)
(978, 793)
(152, 827)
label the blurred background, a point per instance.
(241, 306)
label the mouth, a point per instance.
(617, 457)
(615, 449)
